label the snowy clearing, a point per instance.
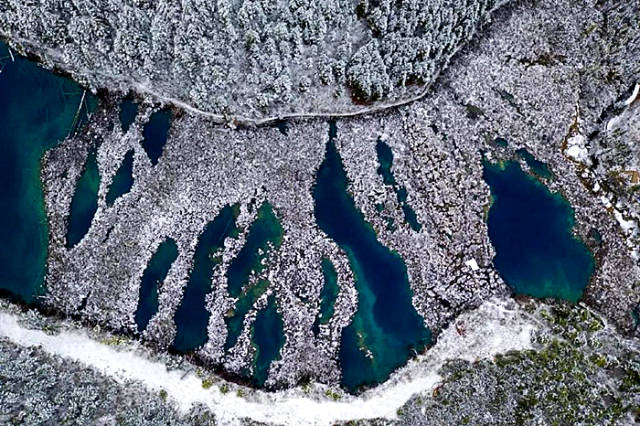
(496, 326)
(577, 150)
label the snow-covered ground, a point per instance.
(496, 326)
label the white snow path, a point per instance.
(496, 326)
(634, 95)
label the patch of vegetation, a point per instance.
(582, 373)
(333, 394)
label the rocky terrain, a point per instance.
(555, 83)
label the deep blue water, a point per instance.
(531, 231)
(265, 229)
(192, 317)
(283, 126)
(152, 277)
(328, 295)
(128, 113)
(386, 323)
(122, 180)
(268, 338)
(38, 109)
(538, 167)
(84, 203)
(385, 159)
(155, 134)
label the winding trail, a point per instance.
(496, 326)
(54, 57)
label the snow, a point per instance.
(251, 59)
(628, 226)
(472, 264)
(613, 123)
(576, 149)
(496, 326)
(634, 95)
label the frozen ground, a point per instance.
(537, 97)
(503, 363)
(495, 327)
(555, 83)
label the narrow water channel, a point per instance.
(84, 203)
(328, 295)
(155, 134)
(192, 316)
(265, 230)
(122, 180)
(385, 159)
(152, 277)
(386, 329)
(268, 339)
(265, 234)
(128, 113)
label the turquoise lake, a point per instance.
(531, 231)
(192, 317)
(38, 109)
(154, 275)
(386, 329)
(265, 229)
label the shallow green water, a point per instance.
(122, 180)
(265, 229)
(268, 338)
(154, 275)
(385, 159)
(386, 327)
(501, 142)
(192, 317)
(538, 167)
(155, 134)
(328, 295)
(37, 110)
(84, 203)
(234, 319)
(531, 231)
